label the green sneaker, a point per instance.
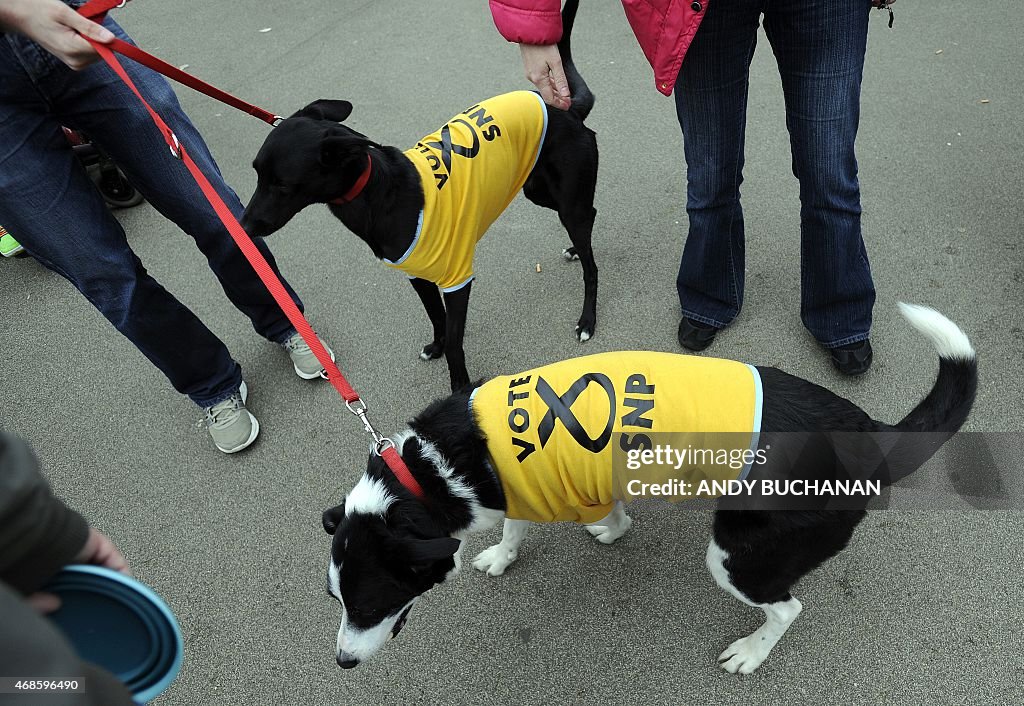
(230, 424)
(306, 365)
(9, 247)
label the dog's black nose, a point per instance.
(255, 228)
(347, 662)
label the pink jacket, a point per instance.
(664, 28)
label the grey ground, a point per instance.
(924, 607)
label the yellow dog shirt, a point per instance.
(551, 432)
(471, 169)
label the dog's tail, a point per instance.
(582, 98)
(946, 407)
(944, 410)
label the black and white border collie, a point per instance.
(389, 548)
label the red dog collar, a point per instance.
(357, 188)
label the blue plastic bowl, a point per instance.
(120, 624)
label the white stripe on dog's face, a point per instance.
(334, 580)
(359, 644)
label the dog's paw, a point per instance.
(494, 560)
(584, 330)
(432, 351)
(570, 254)
(606, 534)
(745, 655)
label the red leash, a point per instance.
(95, 10)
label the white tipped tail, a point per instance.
(950, 342)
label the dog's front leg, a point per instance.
(456, 305)
(747, 653)
(610, 528)
(495, 559)
(431, 298)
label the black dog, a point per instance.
(381, 194)
(390, 547)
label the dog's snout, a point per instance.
(255, 227)
(346, 661)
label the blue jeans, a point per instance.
(49, 203)
(819, 46)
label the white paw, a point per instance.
(424, 355)
(582, 335)
(607, 535)
(745, 655)
(494, 560)
(569, 255)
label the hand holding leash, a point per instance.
(55, 27)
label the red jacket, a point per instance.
(664, 28)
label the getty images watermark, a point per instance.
(822, 470)
(708, 472)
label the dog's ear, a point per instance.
(423, 552)
(332, 517)
(326, 109)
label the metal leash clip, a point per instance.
(176, 147)
(381, 443)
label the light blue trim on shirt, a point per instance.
(412, 245)
(457, 287)
(544, 132)
(755, 432)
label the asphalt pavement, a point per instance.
(924, 607)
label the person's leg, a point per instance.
(48, 199)
(820, 47)
(97, 102)
(711, 102)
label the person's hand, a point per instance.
(99, 550)
(43, 603)
(543, 66)
(56, 27)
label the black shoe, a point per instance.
(694, 335)
(852, 359)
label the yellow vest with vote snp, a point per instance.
(471, 169)
(552, 431)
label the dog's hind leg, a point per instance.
(456, 305)
(746, 654)
(431, 298)
(564, 180)
(495, 559)
(613, 526)
(578, 220)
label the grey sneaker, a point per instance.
(306, 365)
(230, 424)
